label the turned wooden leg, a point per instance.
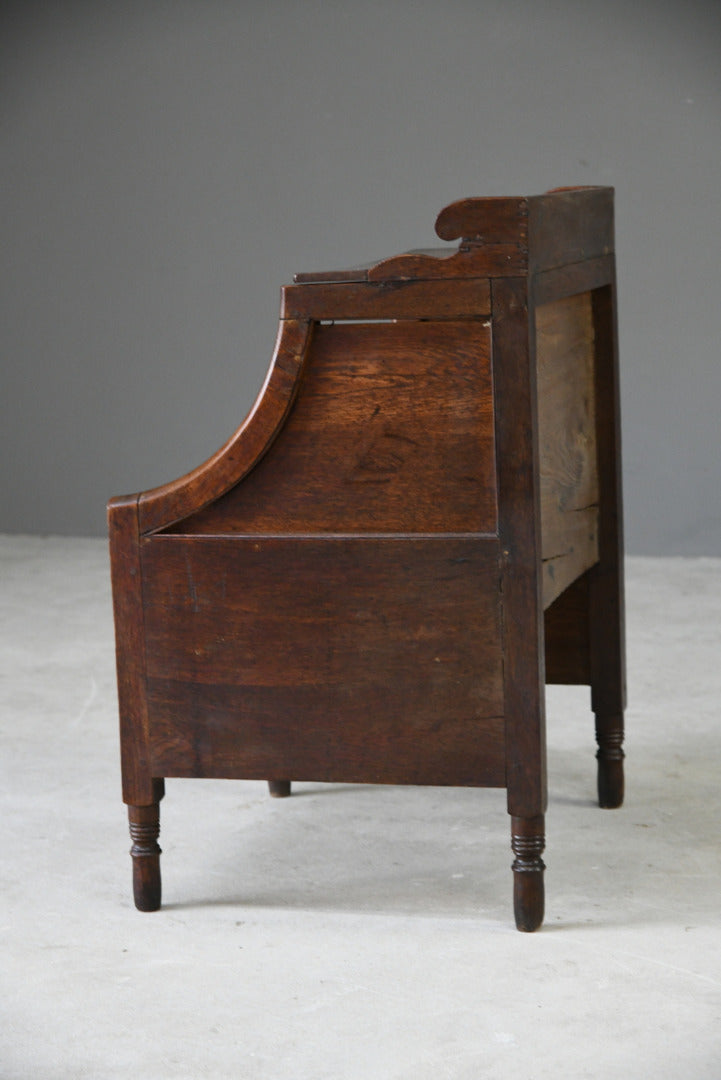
(144, 831)
(610, 755)
(528, 841)
(279, 789)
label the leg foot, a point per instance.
(528, 841)
(279, 789)
(610, 755)
(144, 830)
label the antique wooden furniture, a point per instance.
(416, 527)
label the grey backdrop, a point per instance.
(166, 166)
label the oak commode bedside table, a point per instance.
(417, 526)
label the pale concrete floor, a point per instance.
(353, 933)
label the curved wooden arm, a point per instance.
(161, 507)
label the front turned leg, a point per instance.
(610, 755)
(279, 789)
(528, 840)
(144, 831)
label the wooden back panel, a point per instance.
(391, 431)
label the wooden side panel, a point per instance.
(391, 431)
(567, 441)
(567, 636)
(343, 659)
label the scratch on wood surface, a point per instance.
(191, 587)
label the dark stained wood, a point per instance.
(567, 441)
(528, 841)
(471, 260)
(378, 660)
(566, 634)
(563, 281)
(569, 226)
(501, 237)
(431, 264)
(392, 431)
(501, 221)
(606, 586)
(399, 269)
(514, 375)
(144, 829)
(610, 756)
(352, 588)
(130, 649)
(469, 298)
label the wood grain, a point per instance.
(562, 281)
(374, 660)
(569, 226)
(138, 784)
(514, 379)
(502, 220)
(430, 264)
(469, 298)
(418, 523)
(501, 237)
(392, 431)
(567, 441)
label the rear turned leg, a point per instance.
(279, 789)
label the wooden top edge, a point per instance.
(361, 273)
(319, 537)
(493, 220)
(502, 219)
(495, 236)
(578, 187)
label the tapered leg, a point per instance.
(279, 789)
(528, 841)
(144, 831)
